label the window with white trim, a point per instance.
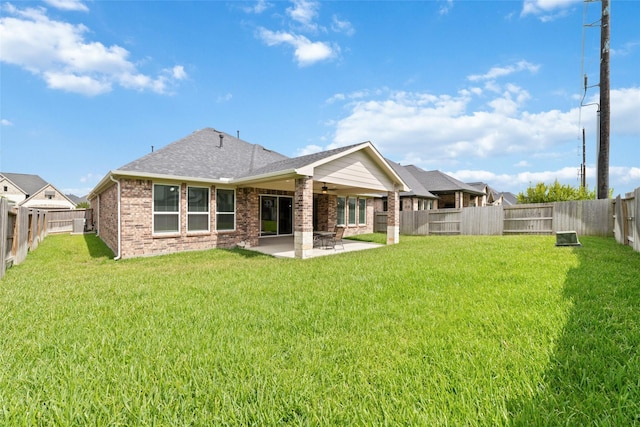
(340, 210)
(351, 206)
(362, 211)
(225, 209)
(166, 208)
(198, 209)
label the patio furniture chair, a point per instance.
(336, 238)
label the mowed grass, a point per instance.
(432, 331)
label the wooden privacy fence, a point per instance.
(587, 217)
(21, 230)
(63, 220)
(626, 227)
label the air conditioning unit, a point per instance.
(78, 226)
(567, 238)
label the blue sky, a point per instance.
(482, 90)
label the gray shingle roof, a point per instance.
(439, 182)
(417, 189)
(297, 162)
(30, 184)
(509, 198)
(201, 155)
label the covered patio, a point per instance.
(284, 247)
(303, 196)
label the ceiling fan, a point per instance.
(326, 189)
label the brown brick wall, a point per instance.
(303, 205)
(137, 219)
(105, 207)
(137, 223)
(393, 203)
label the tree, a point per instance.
(83, 205)
(542, 193)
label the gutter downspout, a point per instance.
(117, 257)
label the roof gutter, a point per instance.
(146, 175)
(271, 175)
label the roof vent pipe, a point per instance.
(221, 138)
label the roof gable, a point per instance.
(359, 165)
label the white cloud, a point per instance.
(496, 72)
(306, 51)
(407, 120)
(178, 72)
(70, 82)
(304, 12)
(626, 49)
(342, 26)
(58, 52)
(302, 16)
(259, 7)
(5, 122)
(629, 177)
(490, 128)
(625, 107)
(76, 5)
(547, 10)
(445, 7)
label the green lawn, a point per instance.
(432, 331)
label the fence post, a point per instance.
(4, 230)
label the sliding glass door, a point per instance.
(276, 215)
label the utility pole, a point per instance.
(583, 166)
(603, 145)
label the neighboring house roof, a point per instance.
(509, 198)
(491, 193)
(76, 199)
(36, 192)
(439, 182)
(417, 189)
(28, 184)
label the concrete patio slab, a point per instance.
(282, 247)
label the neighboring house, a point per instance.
(489, 194)
(506, 199)
(416, 199)
(211, 189)
(77, 200)
(451, 192)
(31, 191)
(493, 197)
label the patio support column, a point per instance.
(303, 218)
(393, 217)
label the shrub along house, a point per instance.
(212, 190)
